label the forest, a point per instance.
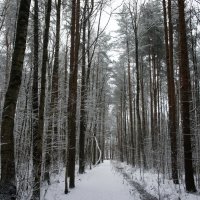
(88, 85)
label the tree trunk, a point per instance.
(120, 122)
(83, 98)
(8, 180)
(53, 124)
(144, 127)
(72, 99)
(38, 143)
(139, 129)
(171, 90)
(155, 111)
(35, 104)
(130, 105)
(151, 109)
(185, 91)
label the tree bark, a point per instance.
(8, 180)
(38, 143)
(171, 90)
(83, 97)
(72, 99)
(139, 129)
(35, 104)
(134, 19)
(130, 105)
(144, 127)
(55, 89)
(185, 91)
(52, 152)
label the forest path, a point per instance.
(144, 195)
(101, 183)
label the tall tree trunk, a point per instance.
(151, 108)
(96, 118)
(171, 90)
(72, 99)
(185, 91)
(35, 104)
(53, 124)
(65, 94)
(134, 21)
(155, 116)
(195, 89)
(55, 89)
(8, 180)
(103, 129)
(144, 132)
(121, 130)
(139, 129)
(130, 104)
(83, 97)
(39, 140)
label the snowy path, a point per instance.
(101, 183)
(117, 181)
(144, 195)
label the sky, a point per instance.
(109, 18)
(113, 8)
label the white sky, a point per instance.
(113, 7)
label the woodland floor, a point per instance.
(117, 181)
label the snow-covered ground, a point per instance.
(154, 184)
(100, 183)
(106, 182)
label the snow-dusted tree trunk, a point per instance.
(8, 180)
(52, 132)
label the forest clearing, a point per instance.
(100, 100)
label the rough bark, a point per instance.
(144, 126)
(134, 19)
(151, 107)
(130, 105)
(35, 105)
(8, 180)
(83, 98)
(72, 99)
(185, 92)
(171, 90)
(39, 141)
(139, 129)
(55, 88)
(155, 111)
(52, 153)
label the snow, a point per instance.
(160, 187)
(100, 183)
(106, 182)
